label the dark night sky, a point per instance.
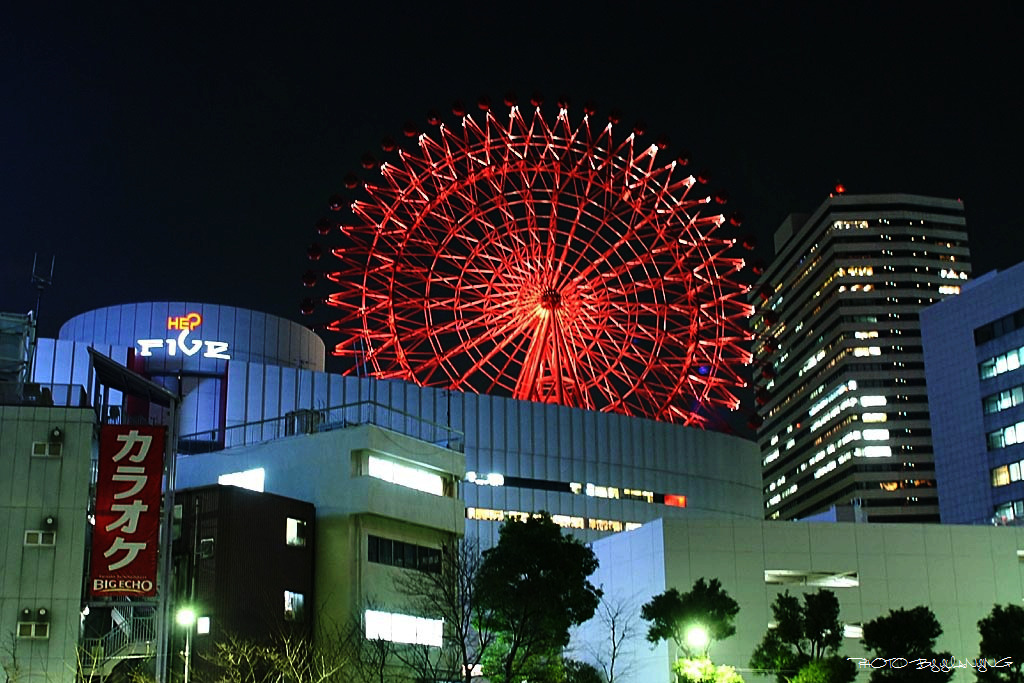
(171, 151)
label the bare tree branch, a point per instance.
(450, 594)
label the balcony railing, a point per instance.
(42, 395)
(314, 420)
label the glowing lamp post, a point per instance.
(186, 618)
(697, 638)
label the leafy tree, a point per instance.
(908, 634)
(451, 594)
(826, 670)
(803, 634)
(581, 672)
(672, 613)
(533, 588)
(1002, 638)
(701, 670)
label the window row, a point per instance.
(997, 328)
(35, 537)
(1004, 362)
(33, 629)
(1008, 512)
(1005, 436)
(47, 449)
(405, 475)
(578, 488)
(403, 628)
(1005, 474)
(564, 521)
(401, 554)
(1003, 400)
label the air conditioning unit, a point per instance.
(302, 422)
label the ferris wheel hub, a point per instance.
(550, 299)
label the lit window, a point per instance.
(247, 479)
(293, 603)
(877, 451)
(874, 417)
(295, 532)
(203, 625)
(403, 628)
(604, 525)
(409, 477)
(811, 578)
(872, 401)
(675, 501)
(1001, 476)
(485, 514)
(567, 522)
(876, 434)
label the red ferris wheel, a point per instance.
(509, 254)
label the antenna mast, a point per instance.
(41, 282)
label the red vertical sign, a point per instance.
(126, 534)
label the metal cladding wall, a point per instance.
(549, 444)
(250, 335)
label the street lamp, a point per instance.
(697, 638)
(186, 617)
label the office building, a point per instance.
(974, 352)
(840, 381)
(243, 564)
(46, 447)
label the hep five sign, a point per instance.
(126, 535)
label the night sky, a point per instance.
(166, 151)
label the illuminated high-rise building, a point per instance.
(840, 382)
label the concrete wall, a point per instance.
(958, 571)
(32, 576)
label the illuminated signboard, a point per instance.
(184, 325)
(125, 538)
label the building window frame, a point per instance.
(40, 538)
